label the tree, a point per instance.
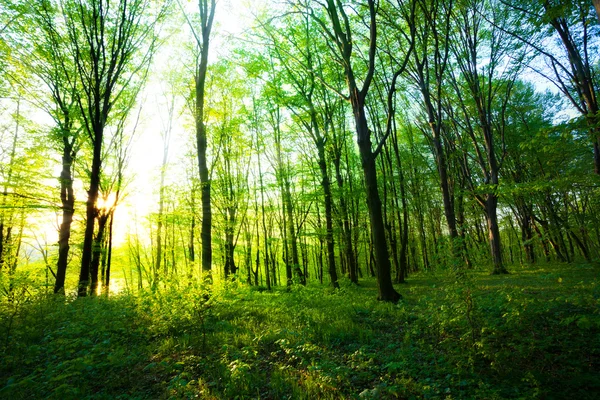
(571, 64)
(232, 166)
(339, 32)
(50, 61)
(296, 57)
(111, 44)
(427, 72)
(480, 52)
(206, 10)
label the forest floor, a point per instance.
(532, 334)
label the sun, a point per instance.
(107, 202)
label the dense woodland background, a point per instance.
(327, 151)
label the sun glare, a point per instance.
(106, 202)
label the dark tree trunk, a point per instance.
(527, 238)
(206, 15)
(106, 283)
(88, 236)
(68, 209)
(404, 237)
(404, 224)
(2, 243)
(191, 245)
(494, 234)
(390, 227)
(346, 230)
(382, 260)
(230, 267)
(98, 249)
(344, 43)
(248, 260)
(264, 223)
(292, 236)
(325, 182)
(460, 221)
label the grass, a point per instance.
(532, 334)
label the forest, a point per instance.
(299, 199)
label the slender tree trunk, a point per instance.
(106, 283)
(346, 230)
(460, 221)
(404, 238)
(13, 259)
(389, 220)
(494, 234)
(88, 236)
(325, 182)
(68, 209)
(248, 260)
(384, 277)
(98, 248)
(192, 239)
(404, 218)
(161, 206)
(264, 223)
(343, 38)
(206, 15)
(292, 236)
(230, 267)
(527, 238)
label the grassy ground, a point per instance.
(532, 334)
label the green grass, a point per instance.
(532, 334)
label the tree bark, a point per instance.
(98, 249)
(68, 209)
(88, 237)
(206, 15)
(383, 266)
(491, 206)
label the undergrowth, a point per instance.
(532, 334)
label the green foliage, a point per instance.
(533, 334)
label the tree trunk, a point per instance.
(325, 182)
(88, 236)
(106, 283)
(206, 224)
(98, 249)
(527, 238)
(161, 206)
(404, 224)
(382, 260)
(346, 230)
(264, 223)
(291, 227)
(491, 206)
(206, 16)
(68, 203)
(230, 267)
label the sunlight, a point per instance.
(116, 286)
(106, 202)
